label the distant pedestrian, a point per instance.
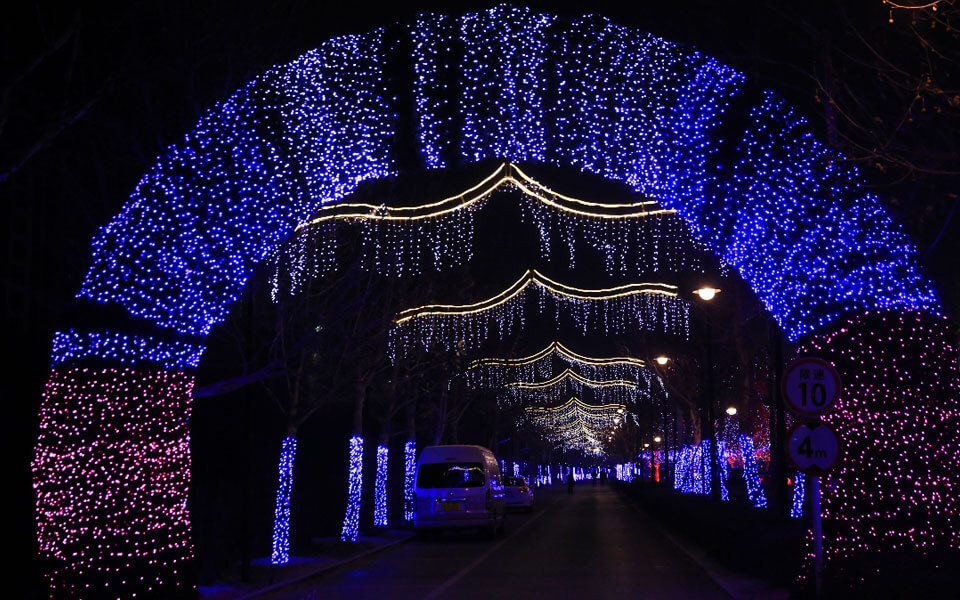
(570, 481)
(594, 476)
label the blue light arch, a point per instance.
(794, 218)
(740, 166)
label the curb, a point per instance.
(329, 567)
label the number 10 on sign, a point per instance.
(811, 387)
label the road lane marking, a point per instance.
(462, 572)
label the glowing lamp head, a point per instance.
(731, 410)
(658, 439)
(662, 360)
(647, 445)
(707, 293)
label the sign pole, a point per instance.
(817, 539)
(811, 387)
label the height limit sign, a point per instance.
(811, 387)
(813, 447)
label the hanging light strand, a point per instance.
(497, 372)
(639, 306)
(576, 424)
(634, 237)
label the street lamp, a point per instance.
(707, 293)
(731, 410)
(662, 360)
(658, 439)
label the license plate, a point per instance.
(448, 506)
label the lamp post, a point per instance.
(780, 505)
(671, 465)
(662, 361)
(707, 294)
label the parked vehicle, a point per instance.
(517, 493)
(458, 487)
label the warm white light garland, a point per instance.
(577, 425)
(637, 237)
(636, 307)
(497, 372)
(619, 391)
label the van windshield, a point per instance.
(450, 475)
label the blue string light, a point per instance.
(681, 472)
(695, 481)
(409, 468)
(72, 345)
(351, 521)
(691, 475)
(505, 57)
(428, 37)
(380, 488)
(724, 471)
(750, 475)
(281, 514)
(800, 225)
(705, 485)
(796, 509)
(254, 167)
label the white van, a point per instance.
(458, 487)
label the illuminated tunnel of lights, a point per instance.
(801, 226)
(578, 425)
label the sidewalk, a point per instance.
(748, 553)
(328, 554)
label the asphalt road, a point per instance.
(592, 544)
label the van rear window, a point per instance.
(450, 475)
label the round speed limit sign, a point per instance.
(811, 386)
(813, 447)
